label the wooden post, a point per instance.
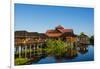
(30, 51)
(41, 48)
(15, 49)
(25, 51)
(34, 49)
(19, 50)
(37, 46)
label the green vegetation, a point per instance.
(56, 47)
(21, 61)
(92, 40)
(82, 33)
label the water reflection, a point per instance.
(79, 53)
(71, 53)
(83, 49)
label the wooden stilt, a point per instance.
(25, 51)
(19, 50)
(30, 51)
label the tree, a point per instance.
(82, 33)
(56, 47)
(92, 40)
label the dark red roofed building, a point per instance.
(61, 33)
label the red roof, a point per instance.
(65, 30)
(59, 27)
(58, 31)
(52, 31)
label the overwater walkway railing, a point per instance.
(26, 47)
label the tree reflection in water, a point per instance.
(72, 54)
(83, 49)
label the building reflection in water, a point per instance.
(83, 49)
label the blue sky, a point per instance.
(39, 18)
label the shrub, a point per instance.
(20, 61)
(56, 47)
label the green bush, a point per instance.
(56, 47)
(20, 61)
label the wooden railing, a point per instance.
(27, 42)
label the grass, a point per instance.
(21, 61)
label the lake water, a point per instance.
(85, 53)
